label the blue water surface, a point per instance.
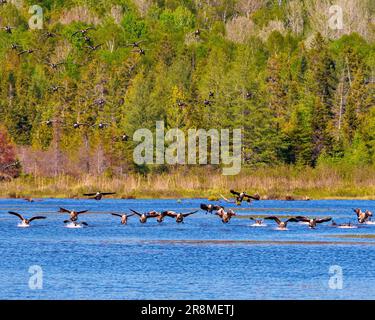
(199, 259)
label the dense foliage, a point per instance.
(301, 94)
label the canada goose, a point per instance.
(83, 32)
(140, 51)
(8, 29)
(123, 137)
(179, 216)
(94, 48)
(258, 222)
(99, 102)
(124, 217)
(181, 104)
(362, 216)
(9, 165)
(25, 222)
(313, 222)
(241, 196)
(197, 32)
(348, 225)
(207, 102)
(78, 125)
(49, 34)
(29, 199)
(135, 44)
(73, 214)
(249, 95)
(160, 216)
(209, 208)
(98, 195)
(15, 46)
(54, 88)
(282, 224)
(101, 125)
(211, 95)
(28, 51)
(225, 215)
(51, 122)
(144, 216)
(54, 66)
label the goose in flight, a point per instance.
(135, 44)
(15, 46)
(54, 88)
(362, 216)
(313, 222)
(73, 214)
(124, 217)
(8, 29)
(26, 222)
(83, 32)
(54, 66)
(159, 216)
(209, 208)
(49, 34)
(101, 125)
(144, 216)
(29, 199)
(94, 48)
(225, 215)
(124, 137)
(140, 51)
(78, 125)
(243, 196)
(178, 216)
(28, 51)
(98, 195)
(50, 122)
(282, 224)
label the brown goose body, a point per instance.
(225, 215)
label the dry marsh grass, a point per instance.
(270, 183)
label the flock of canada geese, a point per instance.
(363, 217)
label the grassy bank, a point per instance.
(271, 183)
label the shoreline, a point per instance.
(277, 183)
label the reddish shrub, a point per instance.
(9, 166)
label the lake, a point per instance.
(199, 259)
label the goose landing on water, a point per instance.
(73, 214)
(209, 208)
(98, 195)
(178, 216)
(225, 215)
(281, 224)
(362, 216)
(25, 222)
(144, 216)
(348, 225)
(313, 222)
(124, 217)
